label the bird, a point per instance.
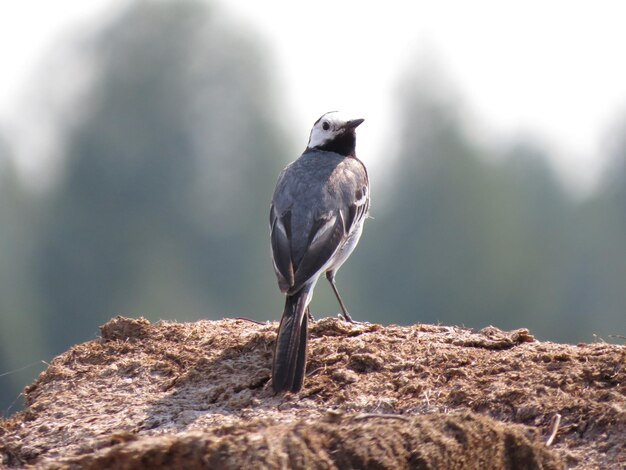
(318, 208)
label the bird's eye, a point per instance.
(325, 126)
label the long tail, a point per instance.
(291, 345)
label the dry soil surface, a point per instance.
(197, 395)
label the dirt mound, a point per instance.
(160, 395)
(433, 441)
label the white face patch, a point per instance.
(327, 128)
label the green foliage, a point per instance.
(20, 328)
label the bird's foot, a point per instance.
(346, 316)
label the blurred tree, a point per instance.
(596, 277)
(161, 208)
(467, 238)
(21, 345)
(614, 178)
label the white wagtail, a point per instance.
(316, 220)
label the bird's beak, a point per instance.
(354, 123)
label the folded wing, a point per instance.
(325, 237)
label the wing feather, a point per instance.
(281, 248)
(323, 243)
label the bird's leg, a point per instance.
(330, 275)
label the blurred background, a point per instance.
(140, 142)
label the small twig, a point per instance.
(8, 410)
(250, 320)
(315, 371)
(617, 336)
(380, 415)
(32, 364)
(556, 420)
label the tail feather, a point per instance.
(291, 345)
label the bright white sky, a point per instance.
(552, 70)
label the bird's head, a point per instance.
(334, 133)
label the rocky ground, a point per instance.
(197, 395)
